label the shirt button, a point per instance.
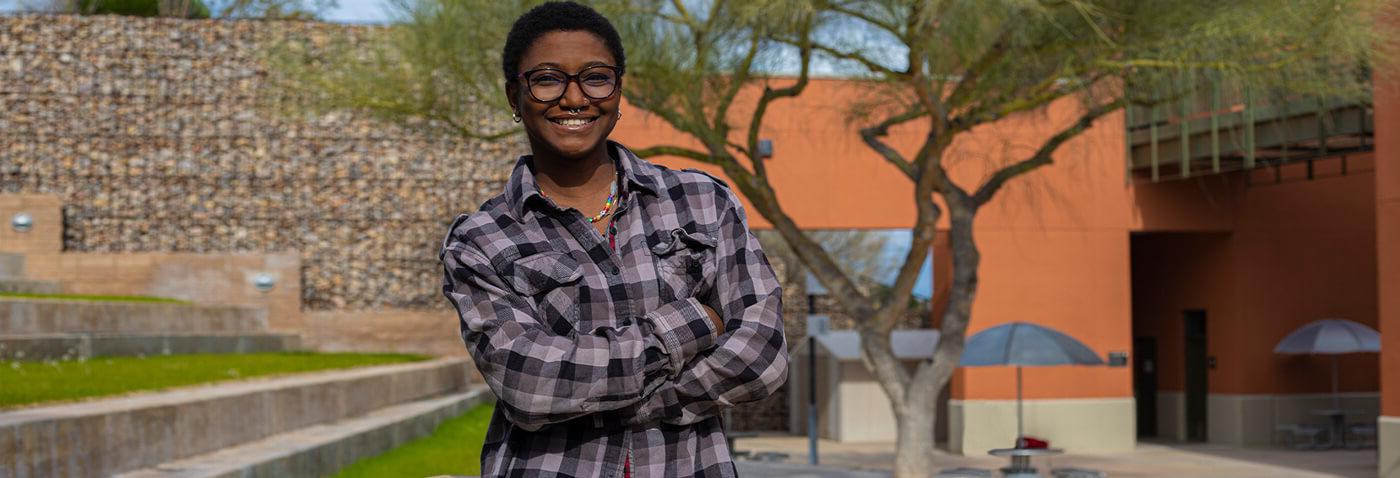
(613, 270)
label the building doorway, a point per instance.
(1197, 370)
(1145, 384)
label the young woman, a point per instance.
(615, 307)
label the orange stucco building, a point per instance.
(1201, 277)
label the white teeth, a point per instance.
(572, 121)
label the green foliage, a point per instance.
(273, 9)
(453, 449)
(143, 8)
(91, 298)
(979, 61)
(437, 67)
(691, 58)
(24, 383)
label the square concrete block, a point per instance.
(38, 445)
(153, 429)
(194, 432)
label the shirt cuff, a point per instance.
(685, 330)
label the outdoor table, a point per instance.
(1338, 436)
(1021, 460)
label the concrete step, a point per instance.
(11, 265)
(108, 436)
(321, 450)
(25, 286)
(71, 346)
(49, 316)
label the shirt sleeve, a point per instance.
(750, 361)
(541, 376)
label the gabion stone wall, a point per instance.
(151, 131)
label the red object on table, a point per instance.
(1032, 442)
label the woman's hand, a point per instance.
(714, 317)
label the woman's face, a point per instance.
(553, 126)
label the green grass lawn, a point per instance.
(453, 449)
(23, 383)
(93, 298)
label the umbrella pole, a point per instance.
(1019, 413)
(1336, 401)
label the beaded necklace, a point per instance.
(607, 205)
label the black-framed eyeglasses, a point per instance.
(549, 84)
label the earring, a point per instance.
(515, 115)
(619, 115)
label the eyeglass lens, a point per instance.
(549, 85)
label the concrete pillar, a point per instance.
(1387, 103)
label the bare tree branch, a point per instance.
(1030, 99)
(1044, 155)
(736, 80)
(769, 95)
(677, 151)
(893, 29)
(869, 64)
(872, 135)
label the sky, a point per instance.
(357, 11)
(896, 246)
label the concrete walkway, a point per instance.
(1149, 460)
(783, 470)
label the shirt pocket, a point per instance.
(685, 261)
(550, 280)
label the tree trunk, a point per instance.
(913, 457)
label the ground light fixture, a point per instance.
(765, 148)
(22, 222)
(264, 282)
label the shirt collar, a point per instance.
(522, 185)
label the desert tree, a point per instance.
(941, 68)
(948, 68)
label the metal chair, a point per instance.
(1293, 432)
(1366, 432)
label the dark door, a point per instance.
(1145, 384)
(1197, 367)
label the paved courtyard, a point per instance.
(1149, 460)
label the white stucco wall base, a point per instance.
(1076, 425)
(1389, 463)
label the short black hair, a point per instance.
(553, 17)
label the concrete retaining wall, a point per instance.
(43, 316)
(81, 439)
(11, 265)
(209, 279)
(324, 449)
(71, 346)
(24, 286)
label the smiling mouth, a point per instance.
(573, 122)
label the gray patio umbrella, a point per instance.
(1025, 345)
(1330, 337)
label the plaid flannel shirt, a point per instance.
(599, 355)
